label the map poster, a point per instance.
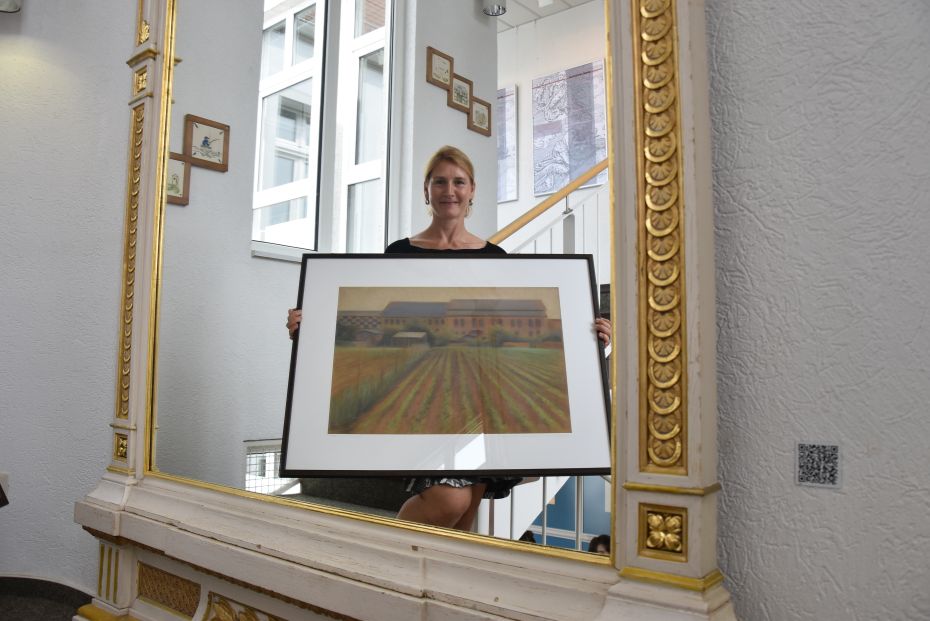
(569, 126)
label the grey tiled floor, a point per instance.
(34, 600)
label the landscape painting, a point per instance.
(449, 360)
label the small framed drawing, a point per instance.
(460, 93)
(178, 187)
(206, 143)
(438, 68)
(479, 119)
(400, 370)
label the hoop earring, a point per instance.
(427, 200)
(471, 202)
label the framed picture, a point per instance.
(568, 139)
(479, 119)
(454, 365)
(505, 126)
(179, 179)
(438, 68)
(460, 94)
(206, 143)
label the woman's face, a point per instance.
(449, 191)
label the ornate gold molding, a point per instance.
(663, 411)
(166, 589)
(140, 80)
(220, 608)
(657, 577)
(663, 532)
(120, 446)
(143, 30)
(129, 260)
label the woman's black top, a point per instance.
(403, 246)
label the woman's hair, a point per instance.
(454, 155)
(599, 540)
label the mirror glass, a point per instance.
(292, 124)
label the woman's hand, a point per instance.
(603, 329)
(294, 316)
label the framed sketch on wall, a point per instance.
(460, 94)
(438, 68)
(569, 126)
(505, 125)
(395, 371)
(479, 119)
(206, 143)
(178, 187)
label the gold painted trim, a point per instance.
(671, 489)
(226, 609)
(100, 571)
(140, 80)
(663, 532)
(612, 108)
(663, 420)
(120, 446)
(109, 571)
(164, 126)
(92, 613)
(144, 55)
(118, 470)
(142, 26)
(682, 582)
(124, 361)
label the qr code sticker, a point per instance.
(819, 464)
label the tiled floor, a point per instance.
(34, 600)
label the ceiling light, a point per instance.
(495, 8)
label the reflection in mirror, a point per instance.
(309, 90)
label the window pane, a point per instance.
(304, 33)
(284, 223)
(285, 138)
(365, 226)
(273, 50)
(370, 124)
(369, 15)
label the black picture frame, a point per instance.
(403, 411)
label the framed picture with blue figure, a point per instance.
(206, 143)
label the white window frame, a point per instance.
(337, 140)
(291, 75)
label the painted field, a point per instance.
(452, 390)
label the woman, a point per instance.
(449, 191)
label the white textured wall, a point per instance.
(822, 195)
(64, 125)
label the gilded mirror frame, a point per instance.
(664, 507)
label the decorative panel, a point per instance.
(663, 412)
(663, 532)
(221, 608)
(165, 589)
